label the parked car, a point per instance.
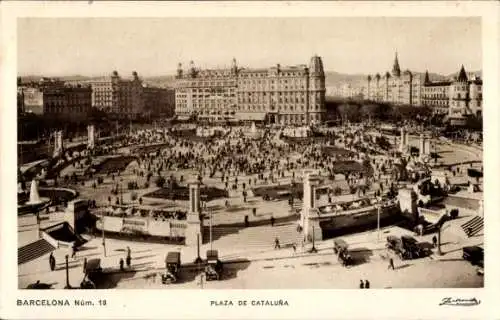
(412, 248)
(213, 268)
(172, 266)
(474, 254)
(93, 274)
(405, 247)
(340, 247)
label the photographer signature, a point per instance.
(459, 302)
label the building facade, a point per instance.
(396, 87)
(114, 94)
(457, 97)
(54, 98)
(290, 95)
(159, 101)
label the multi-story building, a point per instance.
(457, 97)
(159, 101)
(114, 94)
(435, 94)
(277, 95)
(396, 87)
(56, 99)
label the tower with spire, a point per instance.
(396, 71)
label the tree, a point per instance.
(370, 111)
(160, 181)
(348, 112)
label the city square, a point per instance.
(271, 176)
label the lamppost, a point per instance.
(67, 274)
(313, 249)
(198, 259)
(379, 200)
(102, 229)
(210, 210)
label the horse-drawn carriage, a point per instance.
(172, 266)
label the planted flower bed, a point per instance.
(182, 193)
(282, 191)
(352, 167)
(111, 165)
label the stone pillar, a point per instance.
(427, 146)
(308, 204)
(194, 224)
(421, 148)
(480, 210)
(402, 143)
(91, 136)
(58, 143)
(408, 204)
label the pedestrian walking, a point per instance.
(128, 260)
(391, 264)
(361, 284)
(367, 284)
(52, 262)
(434, 241)
(294, 247)
(277, 243)
(121, 264)
(272, 221)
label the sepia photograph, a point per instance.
(224, 152)
(329, 153)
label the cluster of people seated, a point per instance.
(155, 214)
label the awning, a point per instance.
(250, 116)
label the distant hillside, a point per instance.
(160, 81)
(332, 78)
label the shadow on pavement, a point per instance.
(86, 248)
(231, 270)
(403, 266)
(110, 280)
(360, 256)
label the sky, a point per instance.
(154, 46)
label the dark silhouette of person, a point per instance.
(128, 259)
(434, 241)
(276, 243)
(52, 262)
(247, 223)
(361, 284)
(272, 221)
(367, 284)
(391, 264)
(121, 264)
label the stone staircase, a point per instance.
(474, 226)
(33, 250)
(253, 237)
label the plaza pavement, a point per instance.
(268, 268)
(259, 265)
